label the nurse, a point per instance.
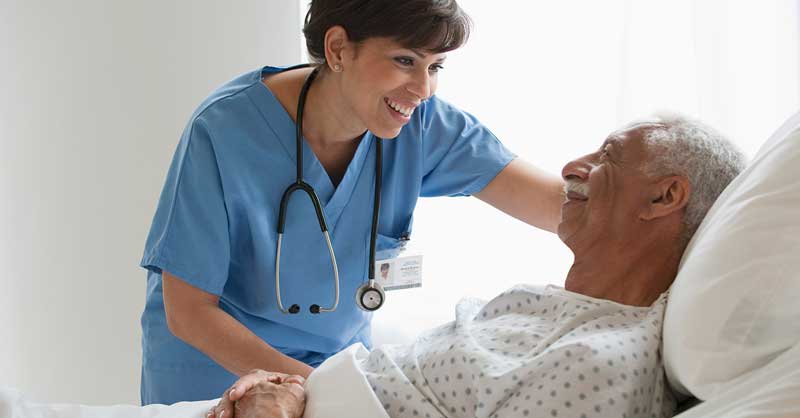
(211, 312)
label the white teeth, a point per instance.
(405, 111)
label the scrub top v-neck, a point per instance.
(215, 226)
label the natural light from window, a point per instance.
(552, 78)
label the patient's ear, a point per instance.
(667, 196)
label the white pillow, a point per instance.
(735, 304)
(769, 392)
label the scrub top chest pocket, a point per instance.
(398, 263)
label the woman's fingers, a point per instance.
(300, 380)
(250, 380)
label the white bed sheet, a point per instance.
(14, 404)
(336, 389)
(771, 392)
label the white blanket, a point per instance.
(14, 405)
(336, 389)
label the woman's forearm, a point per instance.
(527, 193)
(194, 316)
(236, 348)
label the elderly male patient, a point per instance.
(589, 350)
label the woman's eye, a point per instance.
(404, 61)
(436, 68)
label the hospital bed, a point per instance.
(731, 330)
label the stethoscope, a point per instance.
(370, 295)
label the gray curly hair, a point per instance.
(679, 145)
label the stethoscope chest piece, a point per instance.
(370, 296)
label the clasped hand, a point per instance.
(262, 394)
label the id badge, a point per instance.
(398, 266)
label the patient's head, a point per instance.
(633, 204)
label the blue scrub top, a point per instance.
(215, 226)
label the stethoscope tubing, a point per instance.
(300, 185)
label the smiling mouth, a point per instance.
(575, 196)
(404, 111)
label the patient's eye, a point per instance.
(604, 152)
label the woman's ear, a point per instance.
(336, 41)
(667, 196)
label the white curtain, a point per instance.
(553, 78)
(731, 63)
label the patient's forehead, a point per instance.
(628, 143)
(635, 130)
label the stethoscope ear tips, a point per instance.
(314, 309)
(294, 309)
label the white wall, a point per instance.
(93, 97)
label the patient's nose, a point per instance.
(576, 170)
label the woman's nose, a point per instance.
(420, 85)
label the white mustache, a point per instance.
(577, 187)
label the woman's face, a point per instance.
(383, 83)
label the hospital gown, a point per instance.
(530, 352)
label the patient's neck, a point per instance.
(633, 275)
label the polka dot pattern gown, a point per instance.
(530, 352)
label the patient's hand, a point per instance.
(268, 400)
(262, 394)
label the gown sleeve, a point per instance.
(189, 234)
(461, 156)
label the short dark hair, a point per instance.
(431, 25)
(385, 265)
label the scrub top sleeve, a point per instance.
(189, 235)
(461, 156)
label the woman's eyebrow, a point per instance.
(418, 52)
(422, 55)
